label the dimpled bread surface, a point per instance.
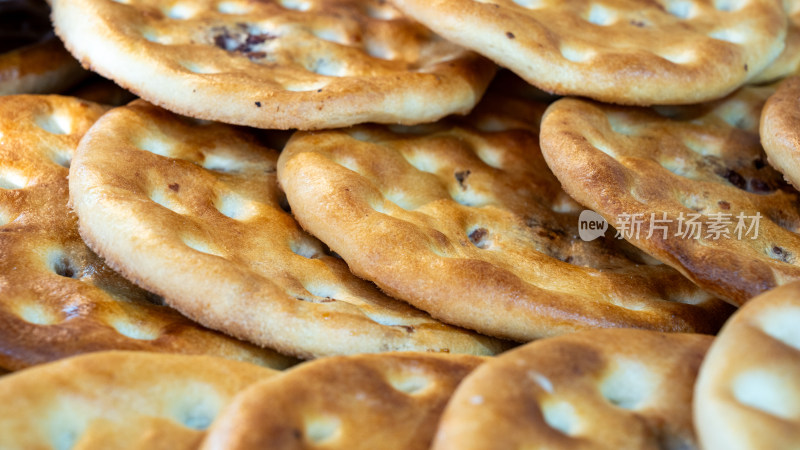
(304, 64)
(599, 389)
(124, 400)
(385, 401)
(703, 163)
(747, 394)
(618, 51)
(464, 220)
(193, 212)
(57, 298)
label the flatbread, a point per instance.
(121, 400)
(284, 64)
(32, 59)
(695, 165)
(464, 220)
(57, 298)
(617, 51)
(387, 401)
(748, 395)
(779, 129)
(788, 62)
(193, 212)
(597, 389)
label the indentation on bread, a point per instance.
(766, 391)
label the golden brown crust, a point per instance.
(94, 401)
(280, 64)
(747, 394)
(464, 220)
(596, 389)
(387, 401)
(617, 51)
(194, 214)
(57, 298)
(705, 160)
(780, 129)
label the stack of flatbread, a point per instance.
(404, 224)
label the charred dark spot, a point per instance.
(759, 163)
(510, 35)
(637, 23)
(258, 104)
(240, 40)
(568, 259)
(319, 90)
(478, 237)
(735, 179)
(175, 187)
(461, 177)
(297, 434)
(757, 185)
(221, 40)
(254, 39)
(745, 67)
(723, 204)
(256, 55)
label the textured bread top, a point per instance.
(275, 64)
(464, 220)
(387, 401)
(57, 298)
(747, 395)
(193, 212)
(618, 51)
(780, 129)
(673, 166)
(600, 389)
(130, 400)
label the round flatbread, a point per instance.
(279, 64)
(688, 185)
(748, 392)
(131, 400)
(193, 212)
(464, 220)
(57, 298)
(595, 389)
(780, 134)
(387, 401)
(617, 51)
